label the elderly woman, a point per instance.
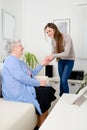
(19, 83)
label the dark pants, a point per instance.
(64, 68)
(45, 95)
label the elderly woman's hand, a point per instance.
(43, 83)
(50, 58)
(47, 60)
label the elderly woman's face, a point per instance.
(18, 48)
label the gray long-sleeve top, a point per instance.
(68, 49)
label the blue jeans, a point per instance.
(64, 68)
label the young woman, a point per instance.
(19, 82)
(62, 50)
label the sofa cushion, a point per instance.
(17, 116)
(0, 84)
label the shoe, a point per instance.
(36, 128)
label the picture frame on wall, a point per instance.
(8, 25)
(63, 25)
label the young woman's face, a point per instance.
(50, 32)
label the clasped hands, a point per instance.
(47, 60)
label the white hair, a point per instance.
(11, 45)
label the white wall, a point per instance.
(0, 23)
(32, 16)
(15, 8)
(38, 14)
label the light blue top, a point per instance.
(17, 85)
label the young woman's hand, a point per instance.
(50, 58)
(46, 61)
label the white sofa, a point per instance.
(16, 116)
